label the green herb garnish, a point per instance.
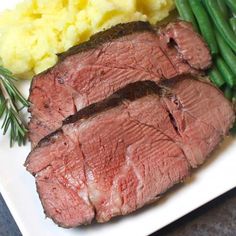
(11, 102)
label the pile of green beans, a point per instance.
(215, 20)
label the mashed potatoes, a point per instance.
(36, 30)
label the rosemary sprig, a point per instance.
(11, 102)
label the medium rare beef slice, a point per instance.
(188, 43)
(201, 115)
(112, 59)
(61, 182)
(117, 159)
(126, 164)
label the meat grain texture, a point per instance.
(113, 158)
(111, 60)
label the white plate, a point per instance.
(17, 186)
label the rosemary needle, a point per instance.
(11, 102)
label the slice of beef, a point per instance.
(192, 48)
(112, 59)
(113, 157)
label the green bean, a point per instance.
(223, 8)
(186, 13)
(205, 25)
(232, 22)
(228, 92)
(234, 96)
(232, 5)
(226, 72)
(215, 77)
(221, 24)
(226, 52)
(233, 129)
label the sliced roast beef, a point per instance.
(112, 59)
(113, 157)
(191, 47)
